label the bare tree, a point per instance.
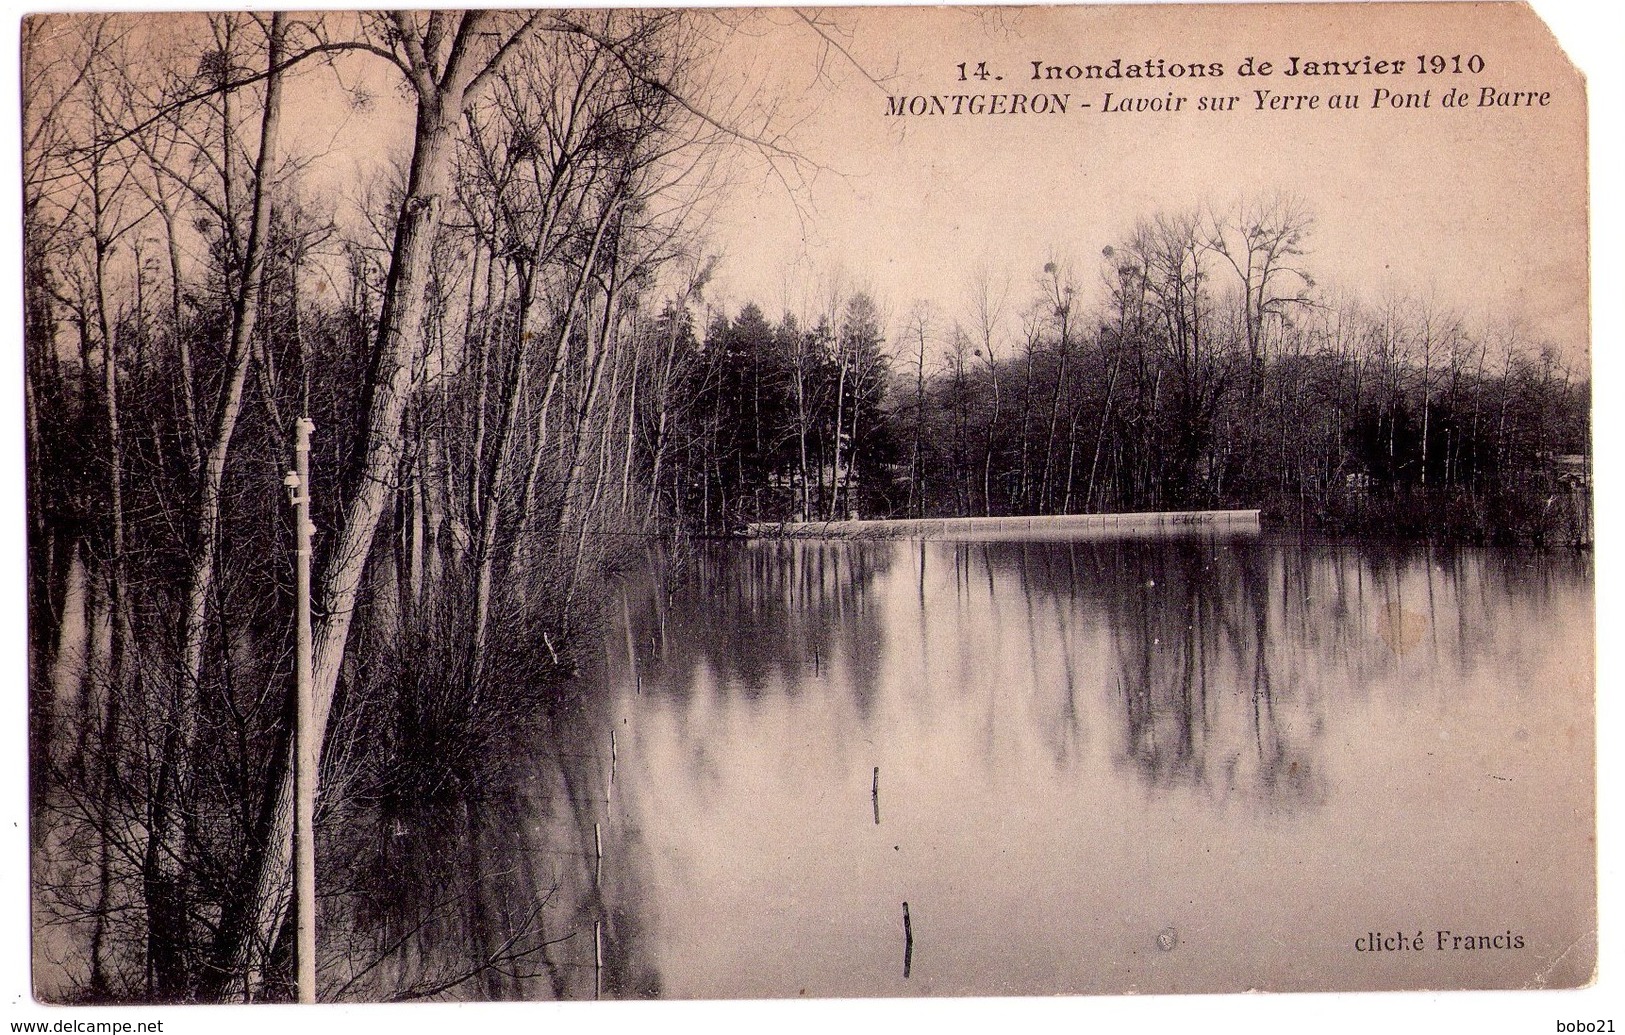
(168, 856)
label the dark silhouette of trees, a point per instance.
(1212, 373)
(493, 360)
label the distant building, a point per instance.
(1573, 470)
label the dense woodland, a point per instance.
(1215, 374)
(494, 395)
(516, 379)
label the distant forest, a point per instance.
(1216, 374)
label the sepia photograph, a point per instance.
(785, 503)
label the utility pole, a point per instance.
(305, 736)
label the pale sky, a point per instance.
(1477, 209)
(1483, 209)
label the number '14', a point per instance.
(979, 71)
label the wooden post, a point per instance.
(874, 795)
(597, 959)
(908, 942)
(304, 807)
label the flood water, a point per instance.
(1144, 765)
(1152, 765)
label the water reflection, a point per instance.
(1186, 626)
(516, 883)
(1086, 745)
(1158, 765)
(759, 617)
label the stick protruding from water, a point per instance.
(908, 942)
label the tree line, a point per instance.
(1214, 372)
(489, 360)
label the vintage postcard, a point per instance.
(777, 503)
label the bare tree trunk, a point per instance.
(1021, 500)
(916, 484)
(189, 429)
(801, 439)
(598, 352)
(1071, 462)
(1046, 493)
(606, 424)
(631, 428)
(840, 404)
(1427, 390)
(847, 481)
(164, 869)
(495, 478)
(1100, 435)
(561, 351)
(243, 950)
(100, 980)
(987, 451)
(662, 417)
(481, 378)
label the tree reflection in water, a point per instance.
(1189, 623)
(762, 616)
(1216, 671)
(1216, 648)
(513, 882)
(1199, 718)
